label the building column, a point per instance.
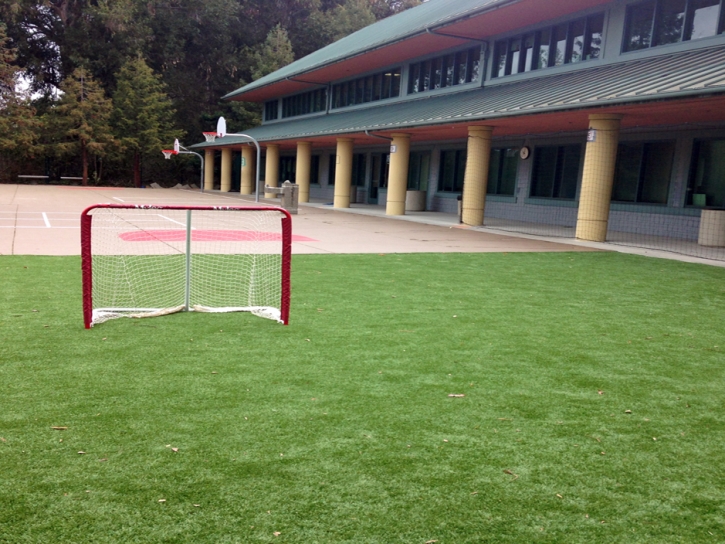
(398, 174)
(600, 159)
(476, 177)
(226, 176)
(271, 174)
(248, 176)
(343, 173)
(304, 161)
(208, 169)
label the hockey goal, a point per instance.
(145, 261)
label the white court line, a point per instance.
(119, 199)
(169, 219)
(45, 218)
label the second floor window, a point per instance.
(304, 103)
(446, 71)
(660, 22)
(372, 88)
(575, 41)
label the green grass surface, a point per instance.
(340, 428)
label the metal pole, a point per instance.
(188, 259)
(184, 151)
(259, 155)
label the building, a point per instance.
(597, 119)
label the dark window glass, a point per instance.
(643, 172)
(560, 33)
(378, 87)
(395, 83)
(670, 21)
(474, 64)
(419, 170)
(556, 171)
(542, 57)
(595, 33)
(437, 66)
(707, 179)
(426, 76)
(452, 171)
(638, 29)
(501, 54)
(358, 170)
(271, 110)
(387, 83)
(360, 91)
(287, 169)
(414, 78)
(368, 89)
(502, 171)
(449, 66)
(315, 169)
(576, 36)
(331, 169)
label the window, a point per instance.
(446, 71)
(271, 110)
(372, 88)
(502, 171)
(660, 22)
(453, 169)
(304, 103)
(418, 170)
(566, 43)
(556, 171)
(287, 169)
(707, 178)
(315, 169)
(359, 164)
(643, 172)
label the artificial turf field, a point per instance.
(593, 408)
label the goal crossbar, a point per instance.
(151, 260)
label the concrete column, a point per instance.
(271, 176)
(208, 169)
(304, 161)
(249, 170)
(343, 172)
(398, 174)
(476, 177)
(599, 161)
(226, 182)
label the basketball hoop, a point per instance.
(210, 136)
(168, 152)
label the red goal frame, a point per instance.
(87, 254)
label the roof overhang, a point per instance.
(476, 25)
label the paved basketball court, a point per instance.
(44, 220)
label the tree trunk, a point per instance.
(136, 169)
(84, 156)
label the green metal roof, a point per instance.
(690, 73)
(400, 26)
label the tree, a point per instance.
(17, 118)
(80, 120)
(273, 54)
(340, 21)
(143, 116)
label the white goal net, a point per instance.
(144, 261)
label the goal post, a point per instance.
(152, 260)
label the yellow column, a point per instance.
(476, 177)
(208, 169)
(226, 183)
(599, 161)
(304, 160)
(272, 168)
(343, 173)
(398, 174)
(249, 170)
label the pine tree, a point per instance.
(17, 117)
(142, 114)
(273, 54)
(80, 120)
